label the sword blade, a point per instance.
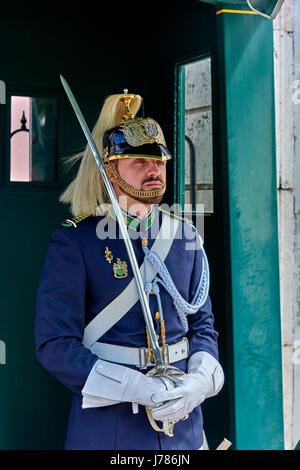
(159, 363)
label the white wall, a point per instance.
(286, 70)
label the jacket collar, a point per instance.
(135, 222)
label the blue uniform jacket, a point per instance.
(76, 283)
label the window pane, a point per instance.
(198, 135)
(33, 139)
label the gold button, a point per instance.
(157, 336)
(157, 315)
(151, 292)
(144, 241)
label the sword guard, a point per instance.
(173, 374)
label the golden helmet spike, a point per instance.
(127, 98)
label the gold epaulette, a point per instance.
(73, 222)
(175, 216)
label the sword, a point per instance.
(157, 354)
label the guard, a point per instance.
(135, 385)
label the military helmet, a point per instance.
(136, 137)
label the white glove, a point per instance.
(109, 383)
(204, 379)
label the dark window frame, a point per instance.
(7, 183)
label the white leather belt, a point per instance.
(139, 356)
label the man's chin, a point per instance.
(149, 200)
(144, 200)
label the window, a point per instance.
(195, 136)
(33, 139)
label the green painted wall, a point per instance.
(247, 89)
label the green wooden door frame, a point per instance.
(179, 135)
(246, 67)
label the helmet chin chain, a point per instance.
(133, 192)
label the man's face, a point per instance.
(144, 174)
